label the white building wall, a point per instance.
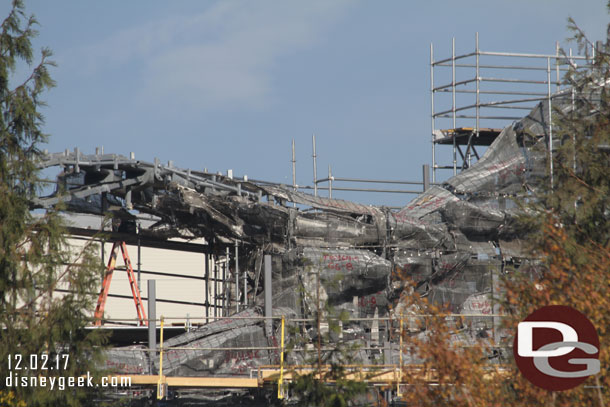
(167, 287)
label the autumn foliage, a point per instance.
(568, 224)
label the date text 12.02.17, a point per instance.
(44, 361)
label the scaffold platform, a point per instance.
(465, 135)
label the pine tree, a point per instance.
(35, 259)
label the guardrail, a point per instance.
(392, 375)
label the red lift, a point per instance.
(133, 284)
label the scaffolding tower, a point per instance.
(481, 88)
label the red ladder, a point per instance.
(133, 284)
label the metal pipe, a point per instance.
(77, 159)
(245, 289)
(294, 173)
(280, 392)
(426, 173)
(432, 111)
(225, 273)
(493, 322)
(497, 92)
(294, 169)
(511, 80)
(397, 191)
(478, 101)
(557, 66)
(161, 387)
(452, 107)
(518, 67)
(315, 166)
(378, 181)
(103, 261)
(573, 133)
(214, 259)
(206, 257)
(268, 286)
(330, 183)
(499, 106)
(548, 76)
(464, 82)
(489, 104)
(513, 54)
(318, 318)
(389, 191)
(236, 277)
(152, 323)
(138, 228)
(442, 61)
(486, 117)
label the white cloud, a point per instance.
(222, 57)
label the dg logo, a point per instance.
(556, 348)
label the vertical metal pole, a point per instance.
(215, 260)
(152, 323)
(491, 300)
(478, 101)
(557, 66)
(294, 169)
(453, 105)
(103, 208)
(207, 287)
(236, 276)
(77, 158)
(139, 253)
(245, 288)
(330, 183)
(318, 316)
(104, 262)
(160, 384)
(400, 350)
(573, 133)
(315, 166)
(227, 291)
(268, 285)
(294, 172)
(223, 288)
(432, 111)
(548, 79)
(280, 390)
(426, 178)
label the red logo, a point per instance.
(556, 348)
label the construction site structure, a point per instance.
(275, 256)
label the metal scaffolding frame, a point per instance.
(519, 92)
(355, 184)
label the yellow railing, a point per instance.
(392, 375)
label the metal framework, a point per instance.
(355, 184)
(486, 87)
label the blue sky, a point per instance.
(229, 84)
